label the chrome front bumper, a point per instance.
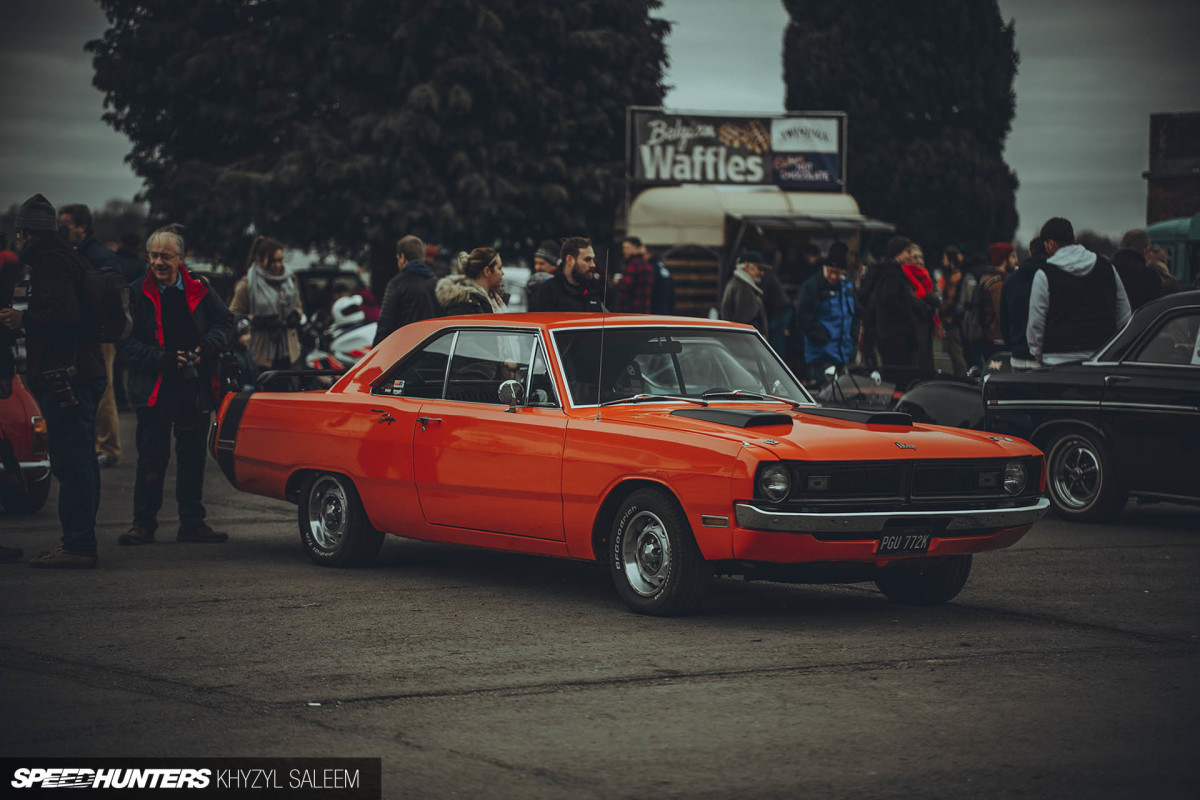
(754, 518)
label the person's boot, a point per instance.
(136, 535)
(62, 559)
(199, 532)
(10, 555)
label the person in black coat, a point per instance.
(411, 295)
(1014, 306)
(66, 374)
(573, 287)
(180, 327)
(893, 313)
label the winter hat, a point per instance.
(548, 250)
(37, 214)
(998, 252)
(897, 245)
(753, 257)
(838, 252)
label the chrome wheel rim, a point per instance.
(327, 512)
(646, 554)
(1076, 474)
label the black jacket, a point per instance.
(893, 314)
(1014, 306)
(410, 296)
(1142, 283)
(55, 336)
(557, 294)
(97, 254)
(143, 350)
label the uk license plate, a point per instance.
(905, 541)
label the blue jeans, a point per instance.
(154, 426)
(71, 440)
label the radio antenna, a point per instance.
(603, 311)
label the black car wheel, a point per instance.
(1081, 479)
(334, 528)
(29, 502)
(656, 565)
(925, 583)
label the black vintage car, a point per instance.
(1126, 422)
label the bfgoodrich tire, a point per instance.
(1080, 478)
(334, 528)
(925, 583)
(656, 566)
(17, 502)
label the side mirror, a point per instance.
(512, 393)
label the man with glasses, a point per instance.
(66, 374)
(179, 328)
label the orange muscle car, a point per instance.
(669, 448)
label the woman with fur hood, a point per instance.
(477, 290)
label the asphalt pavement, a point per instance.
(1067, 668)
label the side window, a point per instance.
(1177, 341)
(485, 359)
(541, 386)
(422, 374)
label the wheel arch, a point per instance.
(1042, 435)
(606, 516)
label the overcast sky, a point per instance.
(1091, 73)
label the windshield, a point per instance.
(680, 362)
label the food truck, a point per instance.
(702, 188)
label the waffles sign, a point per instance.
(791, 151)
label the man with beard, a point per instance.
(573, 287)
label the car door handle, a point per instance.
(1111, 379)
(427, 420)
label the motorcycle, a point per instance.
(346, 339)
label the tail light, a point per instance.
(41, 443)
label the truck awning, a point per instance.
(696, 214)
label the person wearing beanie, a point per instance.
(1003, 259)
(1077, 301)
(545, 264)
(892, 312)
(411, 295)
(65, 371)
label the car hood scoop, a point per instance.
(864, 417)
(735, 417)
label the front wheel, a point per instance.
(656, 566)
(29, 502)
(334, 528)
(1081, 480)
(925, 584)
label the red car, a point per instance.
(669, 448)
(24, 462)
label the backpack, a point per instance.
(105, 299)
(662, 292)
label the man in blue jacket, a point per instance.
(827, 314)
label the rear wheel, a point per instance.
(29, 502)
(1080, 478)
(925, 583)
(334, 528)
(656, 566)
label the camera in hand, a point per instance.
(59, 381)
(187, 371)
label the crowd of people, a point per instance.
(1059, 304)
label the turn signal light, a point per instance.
(40, 440)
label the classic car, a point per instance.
(1125, 422)
(668, 448)
(24, 460)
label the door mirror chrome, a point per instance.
(512, 393)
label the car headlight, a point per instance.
(775, 482)
(1015, 476)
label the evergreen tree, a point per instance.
(928, 90)
(343, 126)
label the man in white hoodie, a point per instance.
(1077, 302)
